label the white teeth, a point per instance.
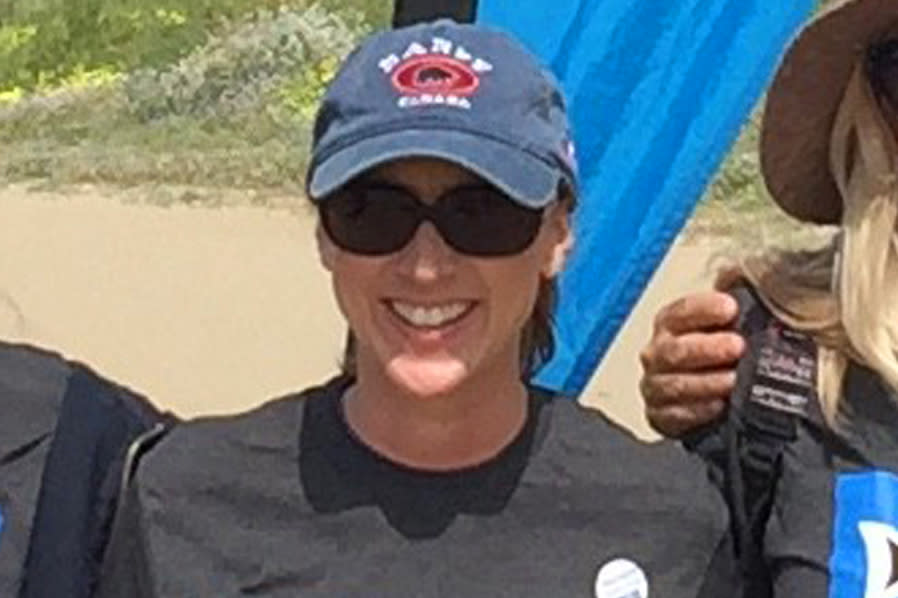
(429, 317)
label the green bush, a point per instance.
(44, 41)
(299, 96)
(234, 112)
(63, 36)
(241, 68)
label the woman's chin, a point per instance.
(427, 377)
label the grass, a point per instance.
(747, 227)
(89, 137)
(233, 114)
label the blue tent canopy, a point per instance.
(658, 92)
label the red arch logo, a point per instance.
(436, 75)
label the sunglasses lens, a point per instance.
(482, 221)
(370, 220)
(478, 221)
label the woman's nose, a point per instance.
(427, 258)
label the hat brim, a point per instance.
(521, 175)
(804, 100)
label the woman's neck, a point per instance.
(461, 429)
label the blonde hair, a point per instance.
(845, 295)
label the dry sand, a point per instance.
(215, 310)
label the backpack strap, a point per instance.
(776, 385)
(32, 385)
(80, 485)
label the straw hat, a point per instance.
(803, 102)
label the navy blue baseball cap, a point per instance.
(466, 94)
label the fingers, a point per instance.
(675, 421)
(689, 366)
(699, 311)
(687, 390)
(691, 352)
(680, 399)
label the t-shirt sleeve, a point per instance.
(126, 565)
(798, 535)
(723, 576)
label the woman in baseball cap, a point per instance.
(443, 176)
(818, 388)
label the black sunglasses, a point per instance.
(374, 218)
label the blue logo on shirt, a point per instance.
(1, 524)
(864, 562)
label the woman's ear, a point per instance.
(327, 251)
(562, 236)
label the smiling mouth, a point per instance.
(430, 317)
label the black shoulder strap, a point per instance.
(776, 383)
(80, 485)
(409, 12)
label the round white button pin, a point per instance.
(621, 578)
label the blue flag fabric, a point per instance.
(658, 92)
(864, 560)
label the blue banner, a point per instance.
(658, 93)
(864, 561)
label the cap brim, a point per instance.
(522, 176)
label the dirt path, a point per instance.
(215, 310)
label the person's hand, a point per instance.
(689, 366)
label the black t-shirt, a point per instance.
(830, 526)
(286, 501)
(833, 528)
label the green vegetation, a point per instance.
(223, 97)
(44, 42)
(737, 194)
